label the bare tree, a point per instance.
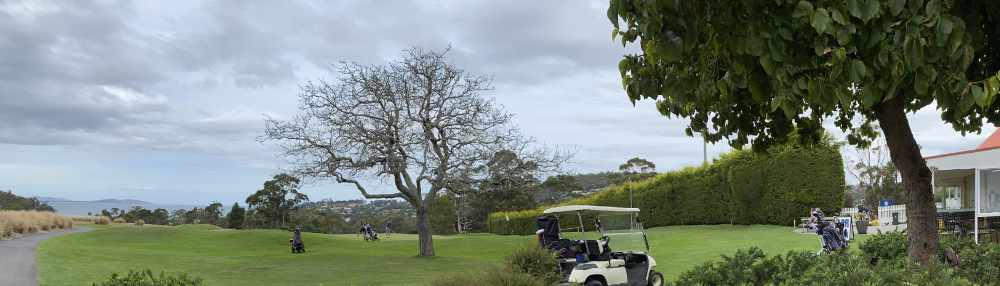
(876, 174)
(419, 122)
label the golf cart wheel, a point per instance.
(655, 278)
(594, 282)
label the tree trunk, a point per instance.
(919, 197)
(424, 231)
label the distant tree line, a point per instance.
(505, 183)
(10, 201)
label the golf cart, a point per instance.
(586, 256)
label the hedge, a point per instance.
(742, 187)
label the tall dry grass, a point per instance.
(25, 222)
(91, 219)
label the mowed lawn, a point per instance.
(261, 257)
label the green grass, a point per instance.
(261, 257)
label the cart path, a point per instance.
(17, 264)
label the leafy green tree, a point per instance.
(277, 199)
(213, 213)
(635, 169)
(159, 216)
(509, 183)
(753, 71)
(235, 217)
(558, 188)
(442, 215)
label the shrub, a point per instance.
(6, 232)
(102, 220)
(24, 222)
(120, 220)
(491, 277)
(146, 278)
(139, 222)
(980, 263)
(884, 247)
(752, 267)
(535, 261)
(741, 187)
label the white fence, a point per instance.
(884, 213)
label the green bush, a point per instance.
(753, 267)
(884, 247)
(146, 278)
(535, 261)
(741, 187)
(980, 263)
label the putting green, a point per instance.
(261, 257)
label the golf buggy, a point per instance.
(586, 255)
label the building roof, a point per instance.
(992, 142)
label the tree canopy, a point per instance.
(275, 202)
(754, 72)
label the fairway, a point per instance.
(261, 257)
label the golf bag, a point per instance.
(831, 234)
(548, 238)
(297, 246)
(296, 242)
(370, 235)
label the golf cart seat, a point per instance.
(596, 250)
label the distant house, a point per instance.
(969, 181)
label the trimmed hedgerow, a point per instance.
(742, 187)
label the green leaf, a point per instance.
(944, 27)
(870, 10)
(933, 8)
(838, 17)
(821, 20)
(858, 71)
(914, 52)
(803, 9)
(991, 86)
(965, 104)
(923, 80)
(981, 98)
(854, 8)
(896, 6)
(869, 97)
(613, 13)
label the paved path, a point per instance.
(17, 257)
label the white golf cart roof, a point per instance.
(589, 208)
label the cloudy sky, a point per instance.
(163, 100)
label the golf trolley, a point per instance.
(594, 262)
(832, 235)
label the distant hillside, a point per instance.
(52, 199)
(125, 201)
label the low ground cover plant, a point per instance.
(146, 278)
(882, 260)
(25, 222)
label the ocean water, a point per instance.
(81, 208)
